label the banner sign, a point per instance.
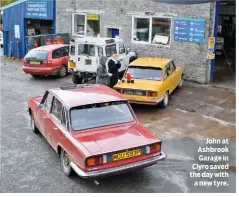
(36, 9)
(189, 30)
(93, 17)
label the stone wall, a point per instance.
(118, 14)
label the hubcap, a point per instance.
(63, 71)
(166, 99)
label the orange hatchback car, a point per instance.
(47, 60)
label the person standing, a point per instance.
(113, 68)
(102, 77)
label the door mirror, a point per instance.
(127, 50)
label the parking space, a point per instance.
(195, 112)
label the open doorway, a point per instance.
(225, 62)
(112, 32)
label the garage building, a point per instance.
(155, 28)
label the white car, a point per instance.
(1, 39)
(86, 51)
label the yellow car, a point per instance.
(150, 81)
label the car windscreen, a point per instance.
(147, 73)
(37, 55)
(99, 115)
(86, 49)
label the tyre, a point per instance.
(65, 163)
(132, 59)
(164, 102)
(62, 71)
(33, 126)
(35, 76)
(76, 79)
(180, 84)
(1, 46)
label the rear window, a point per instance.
(72, 50)
(147, 73)
(37, 55)
(99, 115)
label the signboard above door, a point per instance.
(36, 9)
(189, 30)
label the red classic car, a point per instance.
(94, 130)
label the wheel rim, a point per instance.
(32, 124)
(66, 162)
(62, 71)
(165, 99)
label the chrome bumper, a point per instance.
(119, 169)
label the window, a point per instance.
(47, 101)
(37, 55)
(121, 48)
(73, 50)
(141, 29)
(56, 53)
(86, 49)
(100, 114)
(65, 51)
(110, 50)
(169, 69)
(155, 30)
(88, 25)
(100, 51)
(147, 73)
(161, 30)
(56, 109)
(172, 67)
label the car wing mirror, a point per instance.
(127, 50)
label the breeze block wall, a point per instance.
(118, 14)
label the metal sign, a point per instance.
(36, 9)
(189, 30)
(93, 17)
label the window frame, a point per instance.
(85, 24)
(63, 48)
(122, 47)
(111, 49)
(60, 53)
(150, 29)
(51, 112)
(43, 101)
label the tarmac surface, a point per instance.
(195, 113)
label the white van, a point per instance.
(1, 39)
(86, 51)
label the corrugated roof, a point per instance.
(12, 4)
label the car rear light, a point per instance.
(152, 94)
(155, 148)
(96, 161)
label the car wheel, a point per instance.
(62, 71)
(164, 102)
(65, 163)
(33, 126)
(76, 79)
(180, 82)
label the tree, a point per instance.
(4, 3)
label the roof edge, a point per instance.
(12, 4)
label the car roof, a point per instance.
(96, 40)
(151, 62)
(85, 94)
(50, 47)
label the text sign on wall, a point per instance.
(36, 10)
(189, 30)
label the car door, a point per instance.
(57, 57)
(174, 75)
(65, 55)
(43, 111)
(54, 126)
(168, 79)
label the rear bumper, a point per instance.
(120, 169)
(40, 71)
(143, 101)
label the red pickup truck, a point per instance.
(94, 130)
